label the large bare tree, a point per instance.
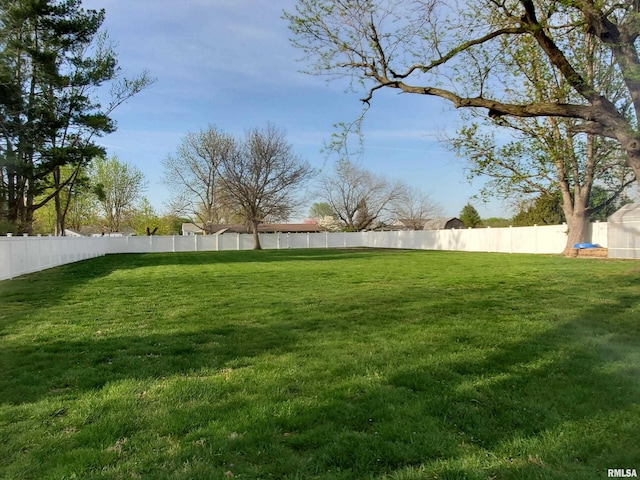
(191, 174)
(452, 50)
(357, 196)
(413, 207)
(263, 177)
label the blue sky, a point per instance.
(229, 63)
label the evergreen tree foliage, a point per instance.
(53, 58)
(470, 216)
(602, 205)
(543, 210)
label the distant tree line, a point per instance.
(108, 198)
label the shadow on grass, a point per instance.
(57, 280)
(47, 288)
(558, 404)
(561, 404)
(136, 260)
(62, 367)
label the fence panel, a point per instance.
(355, 239)
(228, 242)
(268, 241)
(22, 255)
(598, 232)
(298, 240)
(336, 240)
(318, 240)
(207, 243)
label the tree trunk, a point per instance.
(577, 225)
(59, 230)
(60, 210)
(633, 161)
(256, 237)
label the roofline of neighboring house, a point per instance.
(219, 229)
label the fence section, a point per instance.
(200, 243)
(539, 239)
(20, 255)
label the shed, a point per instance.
(443, 223)
(623, 232)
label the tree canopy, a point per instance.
(216, 176)
(118, 186)
(53, 58)
(545, 209)
(192, 177)
(453, 50)
(263, 177)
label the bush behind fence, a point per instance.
(21, 255)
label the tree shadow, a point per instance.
(20, 296)
(547, 406)
(32, 372)
(524, 406)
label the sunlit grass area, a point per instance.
(327, 364)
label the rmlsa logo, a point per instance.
(622, 473)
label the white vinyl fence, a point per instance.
(21, 255)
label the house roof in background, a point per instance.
(443, 223)
(262, 228)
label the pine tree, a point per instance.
(543, 210)
(470, 216)
(52, 60)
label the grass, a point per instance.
(321, 364)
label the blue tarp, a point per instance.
(586, 245)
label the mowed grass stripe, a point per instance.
(343, 364)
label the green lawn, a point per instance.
(341, 364)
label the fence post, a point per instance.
(173, 243)
(510, 238)
(10, 241)
(39, 252)
(326, 239)
(277, 240)
(308, 240)
(195, 243)
(237, 241)
(535, 238)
